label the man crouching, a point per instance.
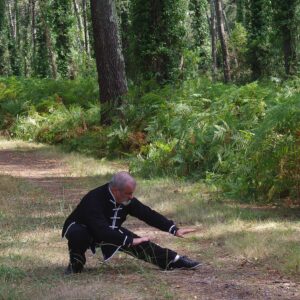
(97, 220)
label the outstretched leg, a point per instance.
(150, 252)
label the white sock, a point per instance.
(176, 258)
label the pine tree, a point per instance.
(158, 37)
(286, 23)
(241, 11)
(41, 62)
(62, 21)
(14, 37)
(259, 37)
(109, 57)
(2, 37)
(223, 40)
(200, 30)
(123, 11)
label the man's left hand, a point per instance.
(182, 231)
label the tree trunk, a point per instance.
(2, 15)
(259, 34)
(2, 35)
(223, 40)
(17, 24)
(50, 50)
(33, 21)
(287, 21)
(227, 27)
(240, 11)
(78, 17)
(48, 41)
(86, 34)
(289, 54)
(12, 44)
(79, 23)
(61, 25)
(11, 22)
(213, 39)
(108, 51)
(25, 36)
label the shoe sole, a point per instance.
(183, 268)
(192, 268)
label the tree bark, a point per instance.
(11, 22)
(25, 33)
(17, 23)
(86, 34)
(12, 43)
(289, 54)
(226, 23)
(213, 39)
(108, 51)
(33, 21)
(223, 40)
(2, 35)
(79, 23)
(48, 41)
(240, 11)
(78, 17)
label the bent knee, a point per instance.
(79, 234)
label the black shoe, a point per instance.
(69, 270)
(184, 263)
(76, 264)
(77, 261)
(74, 268)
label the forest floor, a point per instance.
(40, 185)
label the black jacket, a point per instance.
(103, 217)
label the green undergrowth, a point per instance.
(244, 140)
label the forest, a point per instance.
(201, 89)
(185, 94)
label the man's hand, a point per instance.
(182, 231)
(137, 241)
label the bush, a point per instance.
(269, 165)
(245, 139)
(242, 138)
(18, 95)
(57, 125)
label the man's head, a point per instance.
(122, 186)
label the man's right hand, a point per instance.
(137, 241)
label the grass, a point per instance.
(33, 208)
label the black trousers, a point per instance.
(79, 240)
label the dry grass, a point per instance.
(33, 256)
(82, 166)
(19, 144)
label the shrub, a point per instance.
(57, 125)
(242, 138)
(269, 165)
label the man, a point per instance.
(97, 220)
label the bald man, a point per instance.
(97, 222)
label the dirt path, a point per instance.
(237, 282)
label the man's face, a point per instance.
(123, 196)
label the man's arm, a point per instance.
(151, 217)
